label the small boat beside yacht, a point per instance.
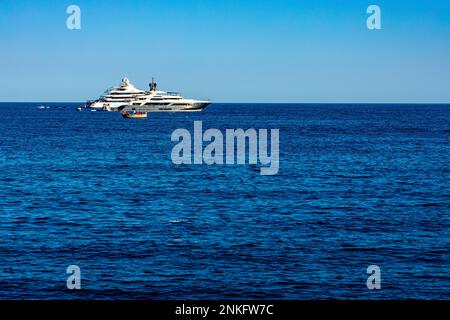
(134, 115)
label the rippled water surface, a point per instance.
(358, 185)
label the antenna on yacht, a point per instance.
(153, 85)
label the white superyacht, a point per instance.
(128, 99)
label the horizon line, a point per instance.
(246, 102)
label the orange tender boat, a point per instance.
(134, 115)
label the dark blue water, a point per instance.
(358, 185)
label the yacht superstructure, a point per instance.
(115, 97)
(127, 99)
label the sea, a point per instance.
(358, 185)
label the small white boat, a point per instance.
(79, 108)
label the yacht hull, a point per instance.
(195, 107)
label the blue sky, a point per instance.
(228, 51)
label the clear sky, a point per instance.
(228, 51)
